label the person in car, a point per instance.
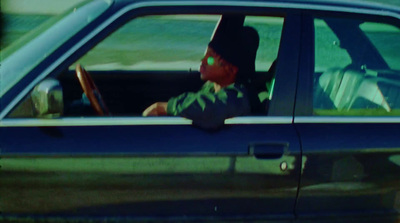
(227, 68)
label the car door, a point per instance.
(123, 167)
(347, 119)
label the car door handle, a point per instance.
(273, 150)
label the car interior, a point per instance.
(129, 93)
(367, 86)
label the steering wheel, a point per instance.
(91, 91)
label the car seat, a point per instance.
(348, 89)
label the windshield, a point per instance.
(23, 55)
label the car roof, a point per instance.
(322, 3)
(300, 4)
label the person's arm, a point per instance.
(208, 109)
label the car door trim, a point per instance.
(121, 121)
(284, 5)
(347, 120)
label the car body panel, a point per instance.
(139, 169)
(284, 166)
(356, 173)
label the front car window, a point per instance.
(356, 68)
(172, 42)
(270, 30)
(149, 59)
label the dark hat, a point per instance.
(239, 47)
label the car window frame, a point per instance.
(131, 11)
(304, 96)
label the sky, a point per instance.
(58, 6)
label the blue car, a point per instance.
(323, 147)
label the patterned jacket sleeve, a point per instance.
(208, 109)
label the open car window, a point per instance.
(169, 42)
(174, 42)
(148, 59)
(356, 68)
(270, 31)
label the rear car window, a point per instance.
(356, 68)
(385, 38)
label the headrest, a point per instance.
(239, 47)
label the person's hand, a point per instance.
(156, 109)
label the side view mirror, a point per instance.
(47, 99)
